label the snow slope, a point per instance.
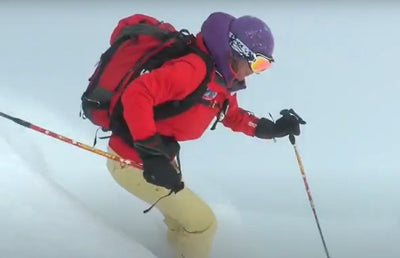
(40, 219)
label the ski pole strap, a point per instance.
(159, 199)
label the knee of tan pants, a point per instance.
(191, 224)
(188, 211)
(195, 244)
(203, 222)
(207, 223)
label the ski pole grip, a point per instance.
(292, 139)
(288, 112)
(301, 121)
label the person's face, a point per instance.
(241, 68)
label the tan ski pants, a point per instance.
(190, 221)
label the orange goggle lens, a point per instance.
(261, 63)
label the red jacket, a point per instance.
(173, 81)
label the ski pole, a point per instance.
(303, 174)
(71, 141)
(292, 139)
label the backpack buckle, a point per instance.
(214, 104)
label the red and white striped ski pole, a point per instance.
(303, 175)
(292, 139)
(71, 141)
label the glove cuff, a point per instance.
(265, 129)
(157, 145)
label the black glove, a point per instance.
(157, 153)
(288, 124)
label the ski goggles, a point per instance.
(258, 62)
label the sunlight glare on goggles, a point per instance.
(260, 63)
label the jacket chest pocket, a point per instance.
(213, 99)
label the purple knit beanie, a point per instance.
(250, 30)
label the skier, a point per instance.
(238, 47)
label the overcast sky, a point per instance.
(336, 65)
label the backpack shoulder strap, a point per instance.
(173, 108)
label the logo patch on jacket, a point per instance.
(209, 95)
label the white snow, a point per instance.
(336, 65)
